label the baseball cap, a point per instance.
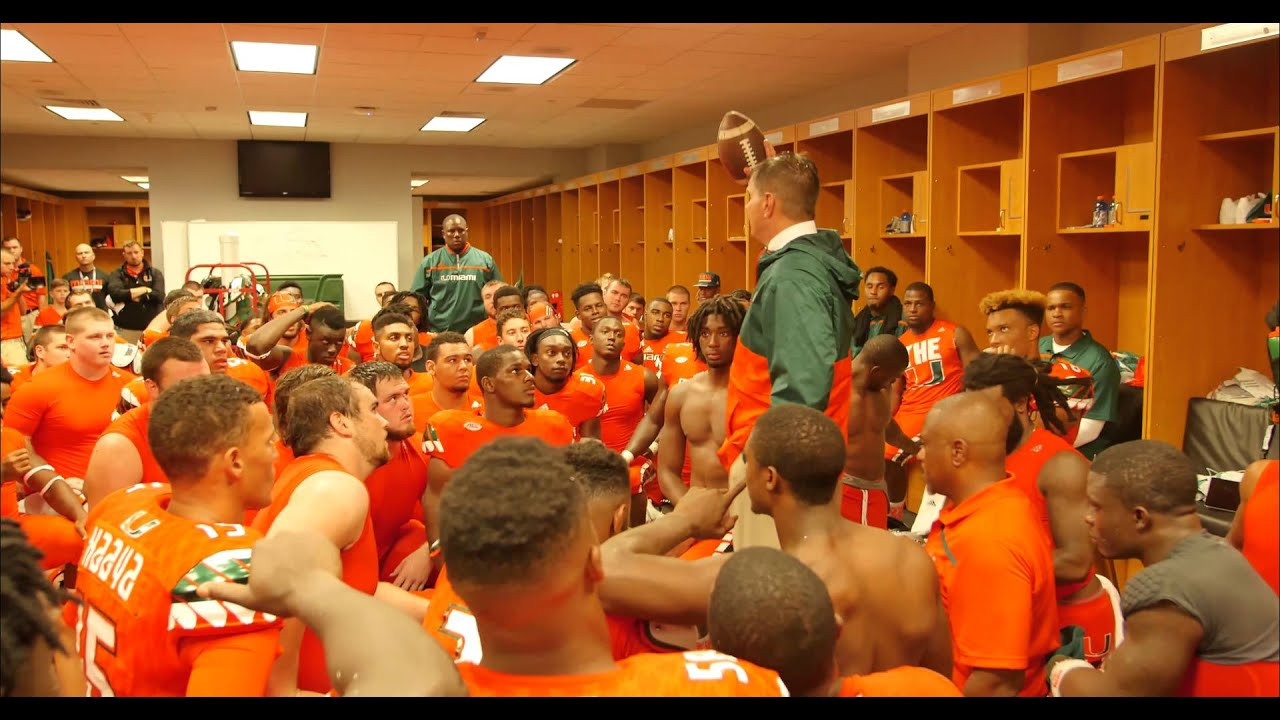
(280, 301)
(708, 279)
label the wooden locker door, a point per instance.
(1011, 195)
(1136, 184)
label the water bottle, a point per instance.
(1113, 212)
(1100, 212)
(904, 222)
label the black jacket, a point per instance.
(136, 313)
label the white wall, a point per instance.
(197, 179)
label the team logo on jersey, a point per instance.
(682, 359)
(431, 441)
(473, 426)
(582, 343)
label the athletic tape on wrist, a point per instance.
(33, 471)
(1060, 671)
(49, 484)
(626, 455)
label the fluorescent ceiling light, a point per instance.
(15, 46)
(452, 124)
(80, 113)
(418, 183)
(524, 70)
(274, 57)
(278, 119)
(145, 185)
(135, 178)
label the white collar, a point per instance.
(779, 241)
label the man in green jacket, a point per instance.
(794, 346)
(451, 278)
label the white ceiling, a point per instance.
(178, 80)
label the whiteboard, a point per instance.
(363, 253)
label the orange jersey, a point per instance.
(454, 435)
(133, 395)
(48, 315)
(253, 376)
(11, 441)
(298, 357)
(625, 396)
(425, 407)
(1025, 464)
(995, 571)
(141, 629)
(420, 382)
(698, 673)
(905, 681)
(484, 334)
(653, 350)
(630, 344)
(934, 369)
(1080, 397)
(133, 426)
(151, 337)
(20, 375)
(395, 493)
(64, 415)
(581, 399)
(359, 560)
(1262, 526)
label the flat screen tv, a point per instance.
(283, 169)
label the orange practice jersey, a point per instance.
(1262, 526)
(361, 340)
(1026, 463)
(395, 493)
(454, 435)
(141, 629)
(679, 363)
(64, 415)
(298, 357)
(903, 681)
(625, 393)
(359, 561)
(653, 350)
(19, 375)
(581, 399)
(484, 334)
(630, 344)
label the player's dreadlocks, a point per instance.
(1018, 380)
(728, 308)
(24, 617)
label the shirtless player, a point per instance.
(864, 496)
(884, 588)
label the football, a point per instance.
(740, 144)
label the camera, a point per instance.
(24, 275)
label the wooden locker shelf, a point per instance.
(1234, 227)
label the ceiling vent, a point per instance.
(460, 113)
(67, 102)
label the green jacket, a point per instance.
(795, 340)
(452, 285)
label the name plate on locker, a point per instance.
(1092, 65)
(773, 138)
(823, 127)
(975, 92)
(889, 112)
(1232, 33)
(689, 157)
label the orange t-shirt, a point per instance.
(1025, 464)
(581, 399)
(395, 493)
(359, 560)
(679, 363)
(48, 315)
(361, 340)
(653, 349)
(151, 337)
(133, 426)
(995, 569)
(484, 334)
(1262, 526)
(624, 391)
(425, 407)
(253, 376)
(420, 382)
(11, 320)
(454, 435)
(905, 681)
(630, 344)
(934, 370)
(64, 414)
(142, 629)
(697, 673)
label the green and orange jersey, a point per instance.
(794, 346)
(142, 630)
(653, 350)
(934, 369)
(994, 560)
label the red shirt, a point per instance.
(395, 493)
